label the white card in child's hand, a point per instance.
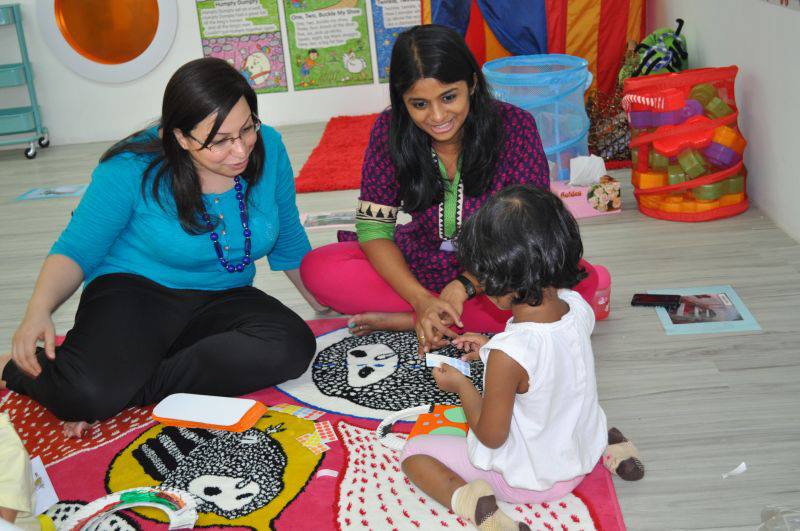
(434, 360)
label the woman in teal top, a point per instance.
(165, 240)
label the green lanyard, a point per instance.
(451, 209)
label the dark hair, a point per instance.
(196, 90)
(438, 52)
(521, 241)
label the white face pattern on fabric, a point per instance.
(227, 493)
(369, 364)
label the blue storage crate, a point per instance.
(551, 87)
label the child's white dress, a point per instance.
(558, 429)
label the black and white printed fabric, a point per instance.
(372, 376)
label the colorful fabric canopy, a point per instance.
(597, 30)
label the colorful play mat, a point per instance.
(312, 461)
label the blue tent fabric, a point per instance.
(451, 13)
(519, 25)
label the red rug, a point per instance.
(335, 164)
(355, 483)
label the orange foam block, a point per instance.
(648, 179)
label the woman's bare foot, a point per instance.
(4, 360)
(364, 323)
(76, 430)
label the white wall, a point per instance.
(762, 39)
(76, 109)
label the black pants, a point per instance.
(135, 342)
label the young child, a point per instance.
(538, 428)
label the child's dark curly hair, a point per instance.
(522, 241)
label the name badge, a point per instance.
(447, 246)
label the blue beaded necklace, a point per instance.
(229, 267)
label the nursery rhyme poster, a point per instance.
(390, 18)
(247, 34)
(328, 43)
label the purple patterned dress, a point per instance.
(521, 161)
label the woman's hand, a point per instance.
(471, 344)
(35, 326)
(455, 293)
(449, 379)
(434, 318)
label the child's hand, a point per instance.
(449, 379)
(471, 344)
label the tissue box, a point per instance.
(598, 199)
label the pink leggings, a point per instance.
(451, 451)
(340, 276)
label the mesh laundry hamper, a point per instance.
(551, 87)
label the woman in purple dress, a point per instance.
(438, 153)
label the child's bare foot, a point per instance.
(364, 323)
(76, 430)
(5, 359)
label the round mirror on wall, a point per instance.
(112, 42)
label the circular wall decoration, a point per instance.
(111, 42)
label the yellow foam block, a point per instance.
(670, 207)
(705, 206)
(650, 201)
(731, 199)
(649, 179)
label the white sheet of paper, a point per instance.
(205, 409)
(46, 495)
(741, 469)
(434, 360)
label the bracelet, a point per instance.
(470, 289)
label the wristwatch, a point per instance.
(470, 289)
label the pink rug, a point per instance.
(265, 478)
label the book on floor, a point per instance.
(706, 310)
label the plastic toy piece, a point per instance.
(693, 163)
(710, 192)
(708, 97)
(716, 108)
(670, 144)
(721, 156)
(648, 179)
(647, 119)
(443, 420)
(735, 184)
(705, 206)
(703, 93)
(658, 162)
(180, 507)
(675, 174)
(731, 199)
(730, 138)
(651, 201)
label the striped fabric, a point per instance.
(596, 30)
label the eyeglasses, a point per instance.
(247, 134)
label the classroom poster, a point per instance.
(247, 34)
(328, 43)
(390, 18)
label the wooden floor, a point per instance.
(696, 406)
